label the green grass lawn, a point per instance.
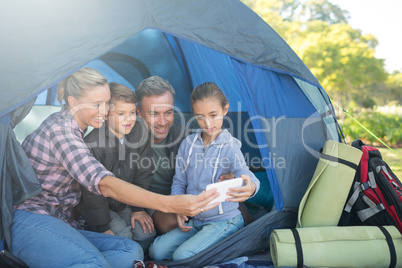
(393, 161)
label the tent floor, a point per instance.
(260, 260)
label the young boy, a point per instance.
(123, 146)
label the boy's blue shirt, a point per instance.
(194, 171)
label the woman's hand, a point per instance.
(144, 219)
(243, 193)
(192, 205)
(181, 220)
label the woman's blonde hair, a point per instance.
(76, 84)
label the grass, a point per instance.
(393, 160)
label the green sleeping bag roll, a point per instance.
(325, 197)
(351, 246)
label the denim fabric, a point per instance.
(121, 226)
(45, 241)
(178, 245)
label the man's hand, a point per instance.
(243, 193)
(144, 219)
(109, 232)
(181, 220)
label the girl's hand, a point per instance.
(226, 176)
(243, 193)
(181, 220)
(144, 219)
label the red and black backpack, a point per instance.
(375, 197)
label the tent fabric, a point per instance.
(278, 109)
(291, 158)
(18, 179)
(58, 40)
(323, 105)
(33, 120)
(283, 96)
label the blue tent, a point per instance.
(278, 109)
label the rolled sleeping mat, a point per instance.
(325, 197)
(350, 246)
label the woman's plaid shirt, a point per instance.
(62, 163)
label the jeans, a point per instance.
(45, 241)
(121, 226)
(178, 245)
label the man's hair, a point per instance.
(122, 93)
(152, 86)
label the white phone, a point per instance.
(223, 187)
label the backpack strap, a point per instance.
(353, 198)
(372, 181)
(391, 246)
(384, 169)
(371, 210)
(360, 187)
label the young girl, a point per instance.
(201, 158)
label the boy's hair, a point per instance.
(208, 90)
(122, 93)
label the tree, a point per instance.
(324, 10)
(394, 87)
(339, 56)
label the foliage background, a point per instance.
(344, 62)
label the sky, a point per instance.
(382, 19)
